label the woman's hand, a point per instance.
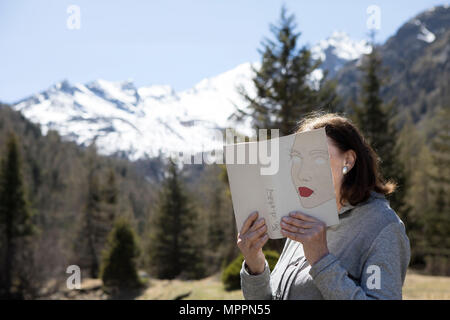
(250, 241)
(308, 230)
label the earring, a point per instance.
(345, 170)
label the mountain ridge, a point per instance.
(416, 76)
(144, 121)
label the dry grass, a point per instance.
(423, 287)
(210, 288)
(416, 286)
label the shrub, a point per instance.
(118, 269)
(231, 275)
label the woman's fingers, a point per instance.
(292, 228)
(261, 242)
(253, 236)
(252, 232)
(292, 235)
(297, 222)
(303, 216)
(301, 227)
(257, 224)
(248, 222)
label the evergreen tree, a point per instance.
(220, 236)
(92, 215)
(437, 218)
(216, 232)
(15, 218)
(110, 196)
(110, 192)
(284, 92)
(416, 157)
(118, 269)
(327, 98)
(375, 119)
(232, 252)
(97, 219)
(174, 250)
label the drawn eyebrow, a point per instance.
(294, 152)
(313, 152)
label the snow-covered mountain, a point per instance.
(337, 50)
(139, 122)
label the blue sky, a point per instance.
(162, 41)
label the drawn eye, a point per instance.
(295, 158)
(319, 160)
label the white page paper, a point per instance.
(303, 182)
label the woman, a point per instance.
(365, 256)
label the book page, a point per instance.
(302, 182)
(305, 176)
(246, 188)
(271, 211)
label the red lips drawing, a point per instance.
(305, 192)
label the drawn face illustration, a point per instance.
(310, 172)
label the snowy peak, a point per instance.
(156, 92)
(340, 45)
(124, 94)
(337, 50)
(140, 122)
(144, 121)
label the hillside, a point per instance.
(56, 183)
(417, 60)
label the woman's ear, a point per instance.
(350, 159)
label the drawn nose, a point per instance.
(304, 177)
(304, 174)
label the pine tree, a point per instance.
(110, 196)
(437, 218)
(415, 155)
(375, 119)
(219, 237)
(92, 215)
(284, 93)
(232, 251)
(97, 219)
(174, 250)
(110, 192)
(216, 232)
(15, 217)
(118, 269)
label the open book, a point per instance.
(299, 179)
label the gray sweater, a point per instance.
(369, 255)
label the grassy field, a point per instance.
(416, 287)
(426, 287)
(210, 288)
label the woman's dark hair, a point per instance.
(365, 175)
